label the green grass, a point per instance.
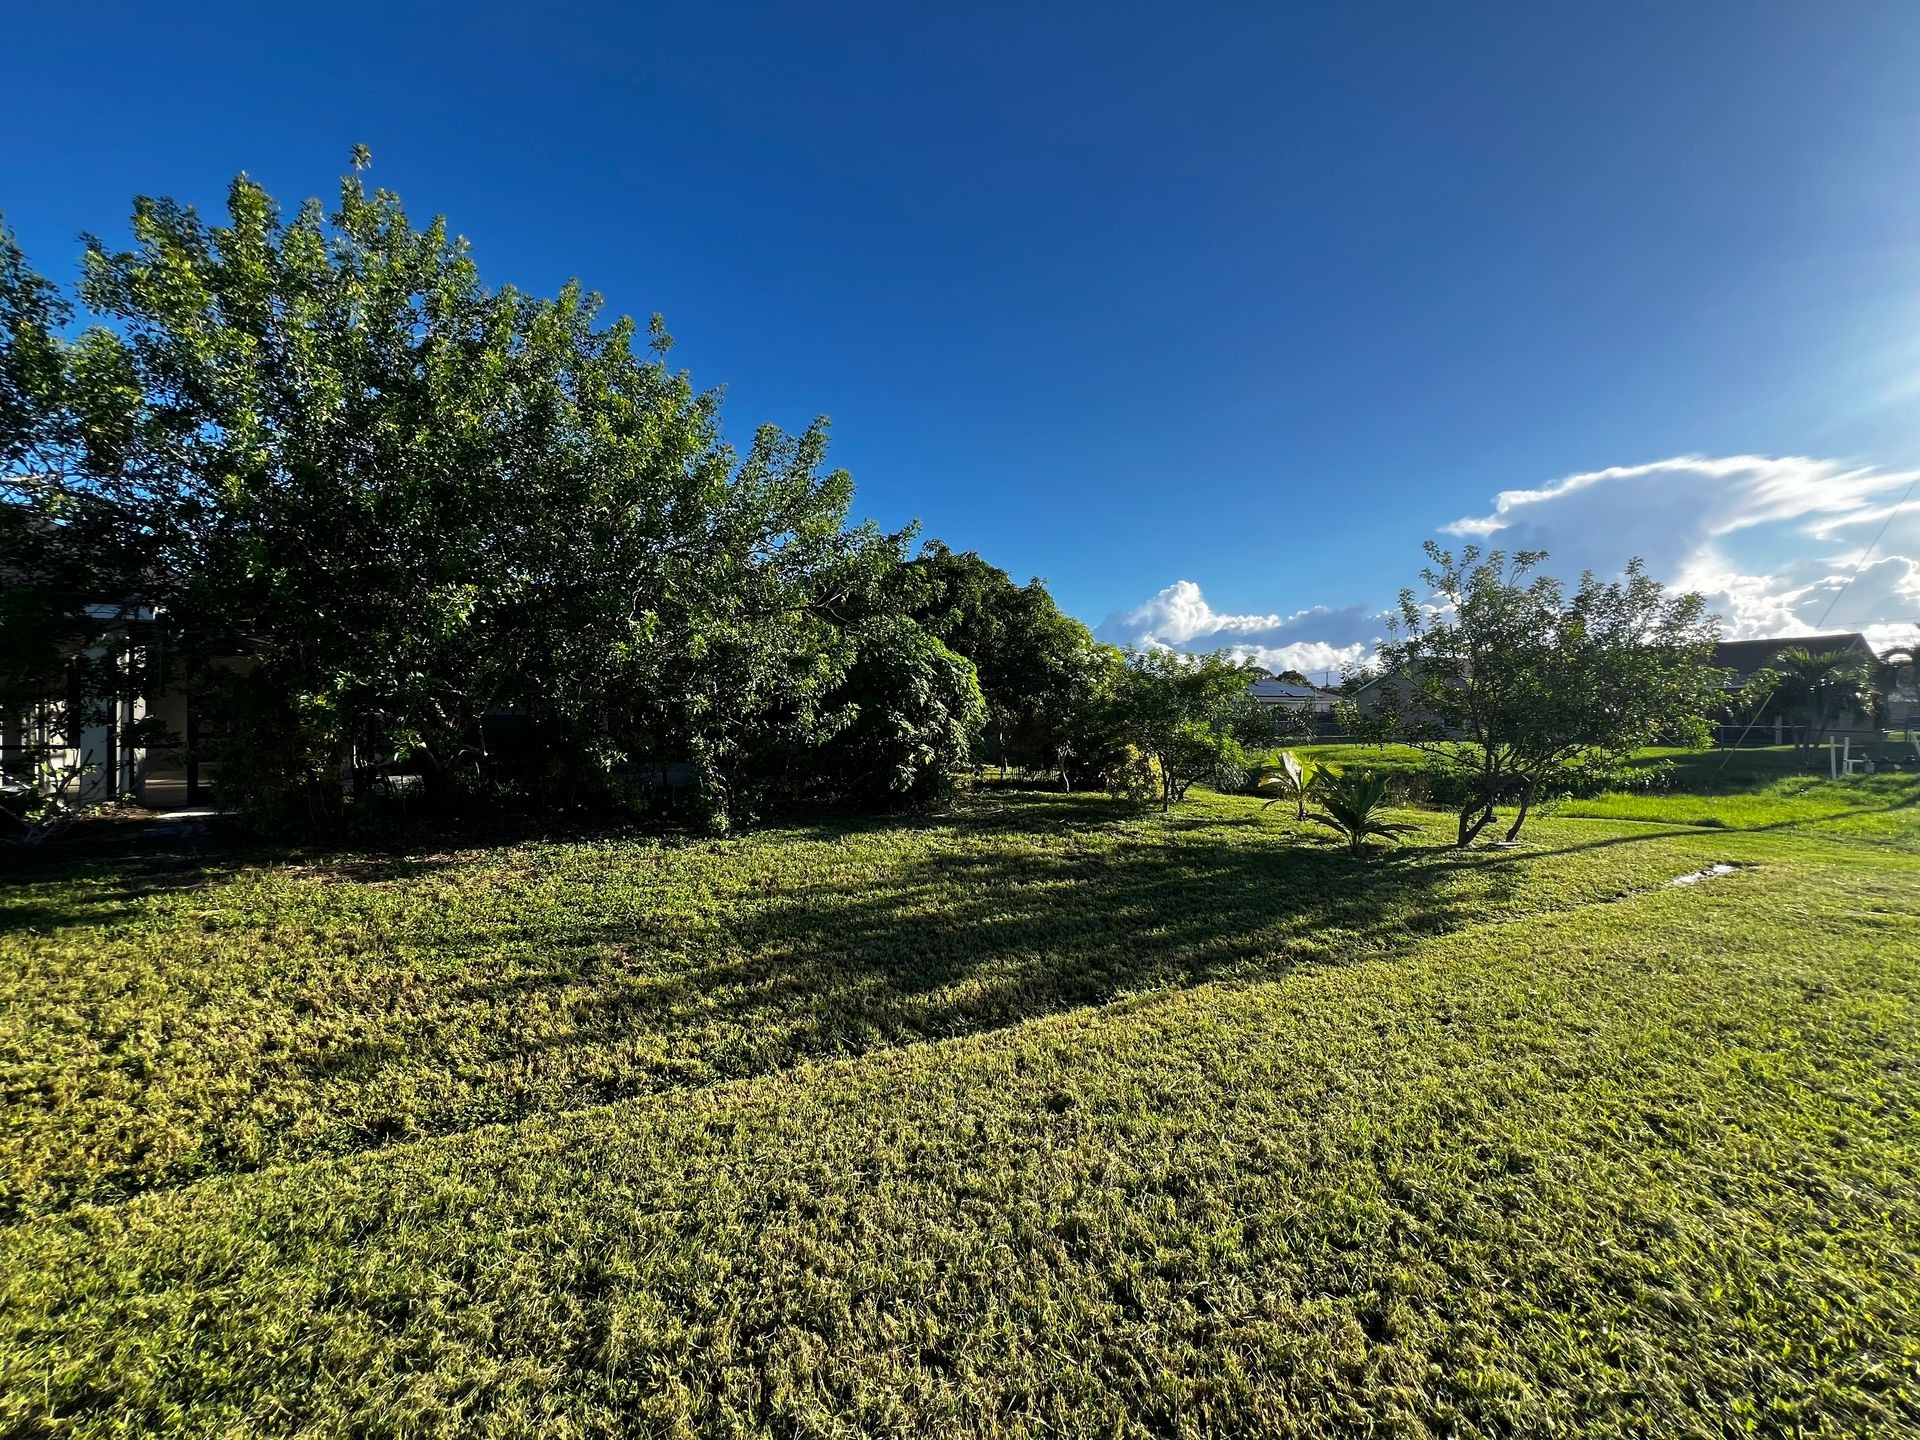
(1772, 789)
(165, 1022)
(1756, 789)
(1046, 1117)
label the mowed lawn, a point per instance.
(1046, 1117)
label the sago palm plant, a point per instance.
(1350, 804)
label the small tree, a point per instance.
(1292, 776)
(1507, 684)
(1189, 714)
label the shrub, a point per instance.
(1132, 774)
(1350, 804)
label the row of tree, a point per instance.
(369, 510)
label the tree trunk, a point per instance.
(1471, 824)
(1526, 804)
(433, 780)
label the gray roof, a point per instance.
(1281, 690)
(1743, 657)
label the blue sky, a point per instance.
(1208, 315)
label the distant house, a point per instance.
(1382, 690)
(1285, 695)
(1744, 658)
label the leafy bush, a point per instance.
(1601, 775)
(1131, 774)
(911, 708)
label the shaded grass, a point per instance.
(1640, 1168)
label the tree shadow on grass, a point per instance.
(91, 890)
(500, 1016)
(64, 891)
(952, 942)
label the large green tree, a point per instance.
(330, 410)
(1033, 661)
(381, 500)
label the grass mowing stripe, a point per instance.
(162, 1025)
(1646, 1169)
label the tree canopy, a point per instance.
(1033, 661)
(374, 501)
(1509, 683)
(1190, 715)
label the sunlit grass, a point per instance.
(1866, 808)
(1773, 789)
(1753, 789)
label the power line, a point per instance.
(1872, 545)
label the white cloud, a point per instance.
(1180, 616)
(1714, 496)
(1312, 658)
(1749, 606)
(1758, 535)
(1316, 639)
(1871, 516)
(1883, 596)
(1751, 532)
